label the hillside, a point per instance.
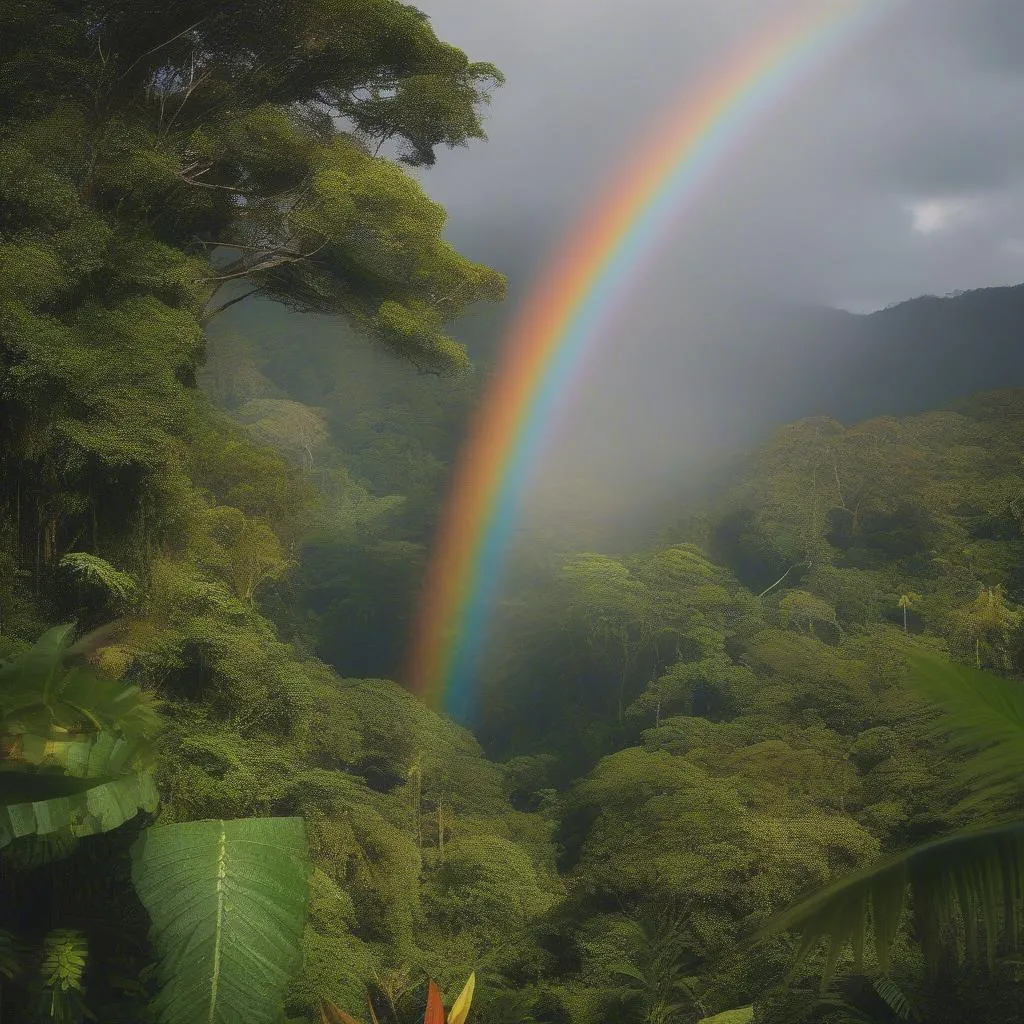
(908, 358)
(726, 715)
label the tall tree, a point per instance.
(159, 162)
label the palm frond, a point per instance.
(894, 998)
(227, 900)
(977, 872)
(981, 712)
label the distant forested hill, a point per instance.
(904, 359)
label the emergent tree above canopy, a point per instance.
(246, 135)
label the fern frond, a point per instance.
(118, 584)
(64, 958)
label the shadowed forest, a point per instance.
(752, 759)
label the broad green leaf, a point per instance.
(83, 807)
(42, 693)
(31, 677)
(227, 900)
(86, 785)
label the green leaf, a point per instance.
(83, 807)
(84, 786)
(982, 711)
(40, 692)
(227, 900)
(894, 998)
(979, 871)
(30, 678)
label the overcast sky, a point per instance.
(896, 170)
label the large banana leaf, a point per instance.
(85, 756)
(227, 900)
(976, 874)
(83, 807)
(83, 786)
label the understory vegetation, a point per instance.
(221, 469)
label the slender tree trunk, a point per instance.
(419, 805)
(440, 831)
(779, 580)
(904, 618)
(39, 535)
(622, 688)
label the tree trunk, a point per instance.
(419, 805)
(440, 832)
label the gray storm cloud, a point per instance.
(896, 170)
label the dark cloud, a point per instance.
(926, 106)
(897, 170)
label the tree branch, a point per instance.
(781, 578)
(269, 264)
(160, 46)
(220, 309)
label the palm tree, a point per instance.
(972, 878)
(989, 620)
(907, 601)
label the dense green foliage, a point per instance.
(673, 743)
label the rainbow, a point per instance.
(564, 317)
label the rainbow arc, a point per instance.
(562, 322)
